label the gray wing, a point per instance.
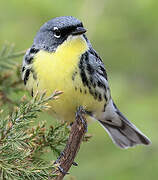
(94, 76)
(121, 130)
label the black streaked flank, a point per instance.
(96, 95)
(100, 97)
(27, 62)
(92, 82)
(30, 55)
(104, 107)
(26, 76)
(23, 69)
(101, 65)
(74, 75)
(105, 97)
(32, 92)
(28, 59)
(100, 84)
(91, 92)
(82, 71)
(91, 68)
(104, 72)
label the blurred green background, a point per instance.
(125, 34)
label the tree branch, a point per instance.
(77, 133)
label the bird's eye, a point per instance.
(57, 32)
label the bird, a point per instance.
(61, 57)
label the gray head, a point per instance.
(55, 32)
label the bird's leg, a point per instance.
(71, 124)
(81, 121)
(79, 117)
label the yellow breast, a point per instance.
(55, 72)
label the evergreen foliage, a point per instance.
(21, 143)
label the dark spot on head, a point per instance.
(80, 90)
(85, 91)
(75, 88)
(55, 32)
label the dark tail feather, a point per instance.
(126, 135)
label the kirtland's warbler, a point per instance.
(62, 58)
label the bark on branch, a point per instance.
(77, 133)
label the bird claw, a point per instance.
(59, 167)
(61, 154)
(75, 164)
(80, 111)
(62, 170)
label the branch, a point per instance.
(12, 55)
(77, 133)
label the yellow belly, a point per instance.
(55, 72)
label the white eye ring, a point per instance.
(57, 33)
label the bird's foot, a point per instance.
(75, 164)
(58, 161)
(79, 117)
(62, 170)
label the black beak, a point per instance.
(78, 31)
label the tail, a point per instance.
(123, 132)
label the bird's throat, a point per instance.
(53, 68)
